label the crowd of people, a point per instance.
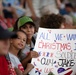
(17, 39)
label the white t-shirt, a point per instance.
(15, 61)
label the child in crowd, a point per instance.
(17, 44)
(26, 24)
(5, 67)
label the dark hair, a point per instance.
(15, 36)
(69, 5)
(51, 21)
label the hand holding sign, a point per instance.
(33, 54)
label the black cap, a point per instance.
(69, 5)
(5, 34)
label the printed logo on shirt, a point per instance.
(21, 67)
(11, 69)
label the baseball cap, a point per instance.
(5, 33)
(23, 20)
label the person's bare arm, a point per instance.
(25, 61)
(22, 2)
(58, 3)
(28, 68)
(30, 5)
(18, 72)
(32, 54)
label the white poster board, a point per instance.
(57, 52)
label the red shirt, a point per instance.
(3, 66)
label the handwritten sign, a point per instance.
(57, 52)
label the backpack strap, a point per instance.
(33, 40)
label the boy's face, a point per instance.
(20, 41)
(29, 30)
(4, 46)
